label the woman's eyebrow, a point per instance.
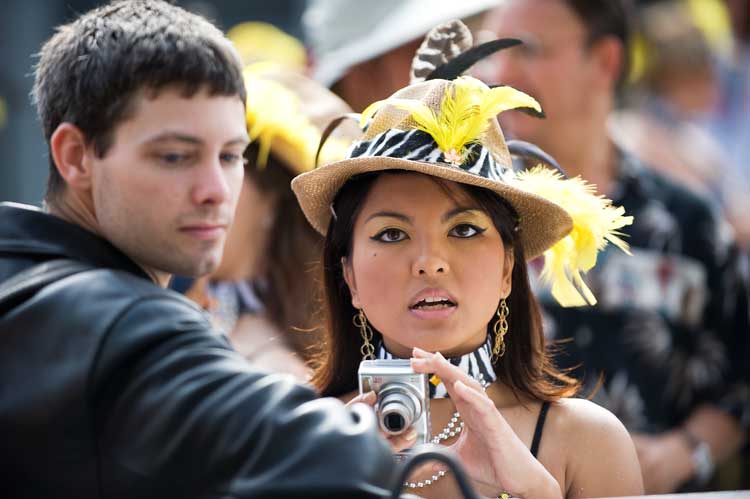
(389, 214)
(458, 211)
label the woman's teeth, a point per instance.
(434, 303)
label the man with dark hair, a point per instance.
(111, 385)
(669, 333)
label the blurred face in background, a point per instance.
(555, 65)
(248, 237)
(378, 78)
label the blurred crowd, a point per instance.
(662, 128)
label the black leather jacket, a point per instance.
(111, 386)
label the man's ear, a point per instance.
(350, 281)
(609, 55)
(69, 152)
(506, 282)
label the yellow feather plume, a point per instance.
(465, 112)
(275, 119)
(595, 224)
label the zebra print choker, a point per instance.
(476, 364)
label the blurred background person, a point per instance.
(730, 120)
(677, 87)
(363, 50)
(669, 333)
(263, 295)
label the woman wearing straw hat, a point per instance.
(428, 230)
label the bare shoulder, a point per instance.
(600, 458)
(584, 418)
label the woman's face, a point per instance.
(427, 266)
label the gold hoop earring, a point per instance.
(367, 349)
(500, 328)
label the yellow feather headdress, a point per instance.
(281, 122)
(465, 112)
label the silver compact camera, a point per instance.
(403, 396)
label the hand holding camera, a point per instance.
(488, 447)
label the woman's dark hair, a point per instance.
(526, 367)
(292, 258)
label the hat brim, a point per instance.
(542, 224)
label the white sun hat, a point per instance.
(343, 33)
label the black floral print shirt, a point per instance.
(670, 330)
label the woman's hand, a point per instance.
(398, 442)
(488, 447)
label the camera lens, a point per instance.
(398, 408)
(394, 422)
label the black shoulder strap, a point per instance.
(539, 427)
(19, 287)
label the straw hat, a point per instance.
(393, 142)
(448, 129)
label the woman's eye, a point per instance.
(390, 236)
(465, 231)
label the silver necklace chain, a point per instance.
(453, 428)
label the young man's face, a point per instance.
(554, 65)
(166, 190)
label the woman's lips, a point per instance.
(433, 312)
(433, 303)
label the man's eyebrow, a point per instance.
(242, 139)
(389, 214)
(180, 137)
(458, 211)
(191, 139)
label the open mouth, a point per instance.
(436, 303)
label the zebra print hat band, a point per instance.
(416, 145)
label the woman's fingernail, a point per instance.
(411, 435)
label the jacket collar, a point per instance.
(29, 232)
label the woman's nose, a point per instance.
(430, 263)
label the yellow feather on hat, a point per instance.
(275, 118)
(595, 224)
(465, 112)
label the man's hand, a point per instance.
(666, 461)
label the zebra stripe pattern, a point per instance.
(477, 364)
(416, 145)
